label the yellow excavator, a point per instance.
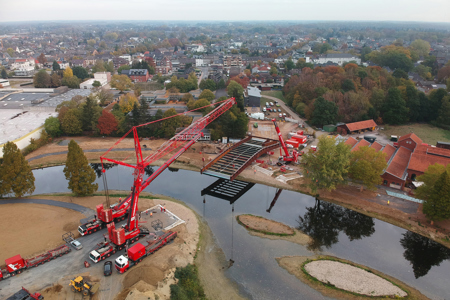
(79, 285)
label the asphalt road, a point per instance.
(84, 210)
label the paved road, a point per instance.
(84, 210)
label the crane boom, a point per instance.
(280, 137)
(187, 137)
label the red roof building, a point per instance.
(357, 127)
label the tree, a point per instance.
(328, 166)
(324, 113)
(56, 66)
(89, 114)
(444, 112)
(127, 102)
(208, 84)
(437, 205)
(80, 72)
(10, 51)
(68, 73)
(41, 79)
(235, 90)
(104, 96)
(96, 84)
(392, 56)
(41, 59)
(395, 110)
(207, 94)
(121, 68)
(366, 165)
(289, 64)
(4, 74)
(348, 85)
(273, 71)
(107, 123)
(52, 126)
(121, 82)
(91, 42)
(98, 66)
(55, 80)
(72, 82)
(16, 175)
(80, 175)
(71, 123)
(421, 47)
(221, 84)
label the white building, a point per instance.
(337, 58)
(126, 56)
(102, 77)
(199, 62)
(4, 83)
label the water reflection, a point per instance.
(324, 221)
(422, 253)
(97, 167)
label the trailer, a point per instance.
(16, 264)
(102, 251)
(138, 252)
(24, 294)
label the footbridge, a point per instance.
(230, 163)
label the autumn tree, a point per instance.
(55, 80)
(16, 175)
(67, 73)
(127, 102)
(71, 123)
(366, 165)
(104, 96)
(10, 51)
(171, 124)
(77, 171)
(41, 79)
(121, 82)
(208, 84)
(107, 123)
(421, 47)
(41, 59)
(327, 167)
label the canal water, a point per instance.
(411, 258)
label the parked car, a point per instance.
(107, 268)
(76, 244)
(279, 110)
(264, 109)
(280, 115)
(271, 103)
(278, 105)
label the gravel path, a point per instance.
(91, 150)
(349, 278)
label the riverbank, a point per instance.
(295, 266)
(366, 202)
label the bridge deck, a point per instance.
(230, 163)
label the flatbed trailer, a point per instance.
(16, 264)
(138, 252)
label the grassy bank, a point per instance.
(276, 94)
(428, 133)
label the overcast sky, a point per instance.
(358, 10)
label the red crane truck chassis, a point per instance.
(138, 252)
(16, 264)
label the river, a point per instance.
(411, 258)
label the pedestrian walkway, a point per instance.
(398, 195)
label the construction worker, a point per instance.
(151, 214)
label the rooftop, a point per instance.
(399, 163)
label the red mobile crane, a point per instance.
(132, 232)
(287, 157)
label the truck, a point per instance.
(116, 213)
(138, 252)
(16, 264)
(68, 237)
(102, 251)
(24, 294)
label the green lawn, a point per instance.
(276, 94)
(427, 133)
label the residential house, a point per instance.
(137, 75)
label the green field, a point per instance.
(427, 133)
(276, 94)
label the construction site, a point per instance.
(123, 233)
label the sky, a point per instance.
(231, 10)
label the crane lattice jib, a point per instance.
(188, 136)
